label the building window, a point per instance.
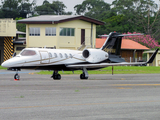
(67, 31)
(50, 31)
(34, 31)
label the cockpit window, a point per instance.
(28, 53)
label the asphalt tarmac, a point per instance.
(101, 97)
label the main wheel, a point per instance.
(16, 76)
(57, 77)
(82, 76)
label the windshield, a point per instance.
(28, 53)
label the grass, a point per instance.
(2, 68)
(116, 70)
(108, 70)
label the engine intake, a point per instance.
(94, 55)
(86, 53)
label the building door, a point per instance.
(44, 57)
(83, 36)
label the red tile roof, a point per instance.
(126, 44)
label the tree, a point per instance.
(97, 9)
(9, 9)
(20, 26)
(141, 14)
(26, 8)
(16, 8)
(54, 8)
(92, 8)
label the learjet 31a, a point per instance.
(70, 60)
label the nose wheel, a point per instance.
(16, 76)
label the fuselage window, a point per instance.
(28, 53)
(60, 54)
(70, 55)
(66, 55)
(55, 55)
(50, 55)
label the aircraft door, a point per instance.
(44, 57)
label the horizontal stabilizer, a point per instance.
(121, 35)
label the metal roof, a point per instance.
(54, 19)
(20, 33)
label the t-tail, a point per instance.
(112, 45)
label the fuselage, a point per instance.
(50, 59)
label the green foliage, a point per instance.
(16, 8)
(54, 8)
(140, 14)
(92, 8)
(19, 26)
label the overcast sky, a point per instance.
(71, 3)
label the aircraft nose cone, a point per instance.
(5, 64)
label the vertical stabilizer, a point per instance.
(112, 44)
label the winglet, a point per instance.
(153, 56)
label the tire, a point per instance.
(57, 77)
(82, 76)
(16, 76)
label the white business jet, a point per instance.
(70, 60)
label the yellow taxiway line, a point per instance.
(135, 85)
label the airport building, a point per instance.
(61, 31)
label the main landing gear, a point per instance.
(56, 75)
(84, 75)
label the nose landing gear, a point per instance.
(16, 76)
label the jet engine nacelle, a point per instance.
(94, 55)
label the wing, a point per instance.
(121, 35)
(113, 64)
(104, 65)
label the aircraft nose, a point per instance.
(5, 64)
